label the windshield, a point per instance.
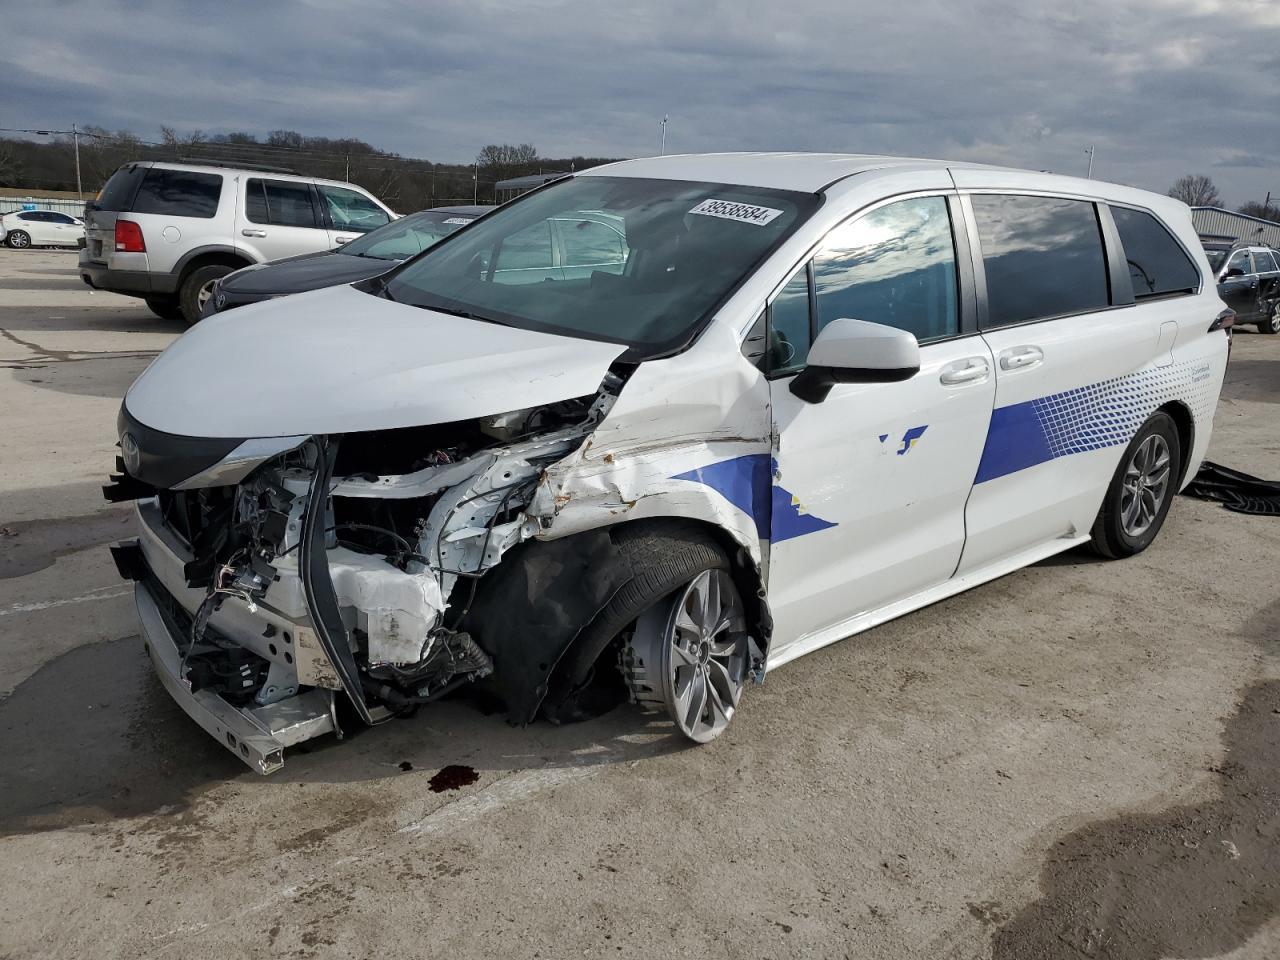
(408, 236)
(627, 260)
(1215, 258)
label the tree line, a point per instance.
(404, 183)
(1197, 190)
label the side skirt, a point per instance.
(949, 588)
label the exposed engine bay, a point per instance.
(361, 553)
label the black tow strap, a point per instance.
(1235, 490)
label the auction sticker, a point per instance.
(742, 212)
(459, 220)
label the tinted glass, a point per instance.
(1240, 261)
(896, 266)
(178, 193)
(406, 237)
(349, 210)
(1263, 261)
(593, 242)
(118, 192)
(60, 218)
(788, 343)
(282, 203)
(688, 244)
(1157, 263)
(1043, 257)
(33, 215)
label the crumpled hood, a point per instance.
(340, 361)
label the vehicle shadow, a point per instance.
(92, 737)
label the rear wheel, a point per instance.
(197, 288)
(166, 308)
(1271, 322)
(1141, 490)
(18, 239)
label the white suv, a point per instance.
(167, 232)
(793, 397)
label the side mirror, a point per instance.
(856, 351)
(1233, 272)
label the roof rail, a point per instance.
(234, 165)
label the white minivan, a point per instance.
(796, 396)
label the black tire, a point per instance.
(1109, 536)
(664, 555)
(166, 308)
(1271, 322)
(189, 294)
(18, 239)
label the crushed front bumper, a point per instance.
(257, 735)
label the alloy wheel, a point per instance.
(692, 655)
(1145, 485)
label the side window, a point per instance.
(60, 218)
(1263, 261)
(31, 215)
(896, 265)
(787, 344)
(590, 243)
(1157, 264)
(1239, 261)
(178, 193)
(349, 210)
(525, 256)
(280, 203)
(1043, 257)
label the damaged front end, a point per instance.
(285, 583)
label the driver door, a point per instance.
(1240, 291)
(870, 484)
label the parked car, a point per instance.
(167, 232)
(367, 256)
(40, 228)
(1248, 281)
(797, 396)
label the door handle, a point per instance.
(253, 233)
(1019, 358)
(969, 370)
(342, 240)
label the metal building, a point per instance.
(1224, 224)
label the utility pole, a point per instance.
(1089, 150)
(475, 185)
(662, 151)
(346, 169)
(433, 186)
(75, 137)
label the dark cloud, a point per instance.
(1159, 87)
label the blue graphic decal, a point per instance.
(884, 437)
(910, 437)
(747, 483)
(1104, 414)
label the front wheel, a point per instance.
(690, 654)
(166, 308)
(18, 239)
(1271, 323)
(1141, 490)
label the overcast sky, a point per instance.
(1160, 87)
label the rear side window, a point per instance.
(1157, 263)
(178, 193)
(1263, 261)
(1240, 262)
(1043, 257)
(280, 203)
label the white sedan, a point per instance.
(41, 228)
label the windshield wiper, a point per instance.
(465, 314)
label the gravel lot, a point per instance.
(1079, 760)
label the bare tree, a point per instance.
(500, 161)
(1264, 210)
(1196, 190)
(10, 165)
